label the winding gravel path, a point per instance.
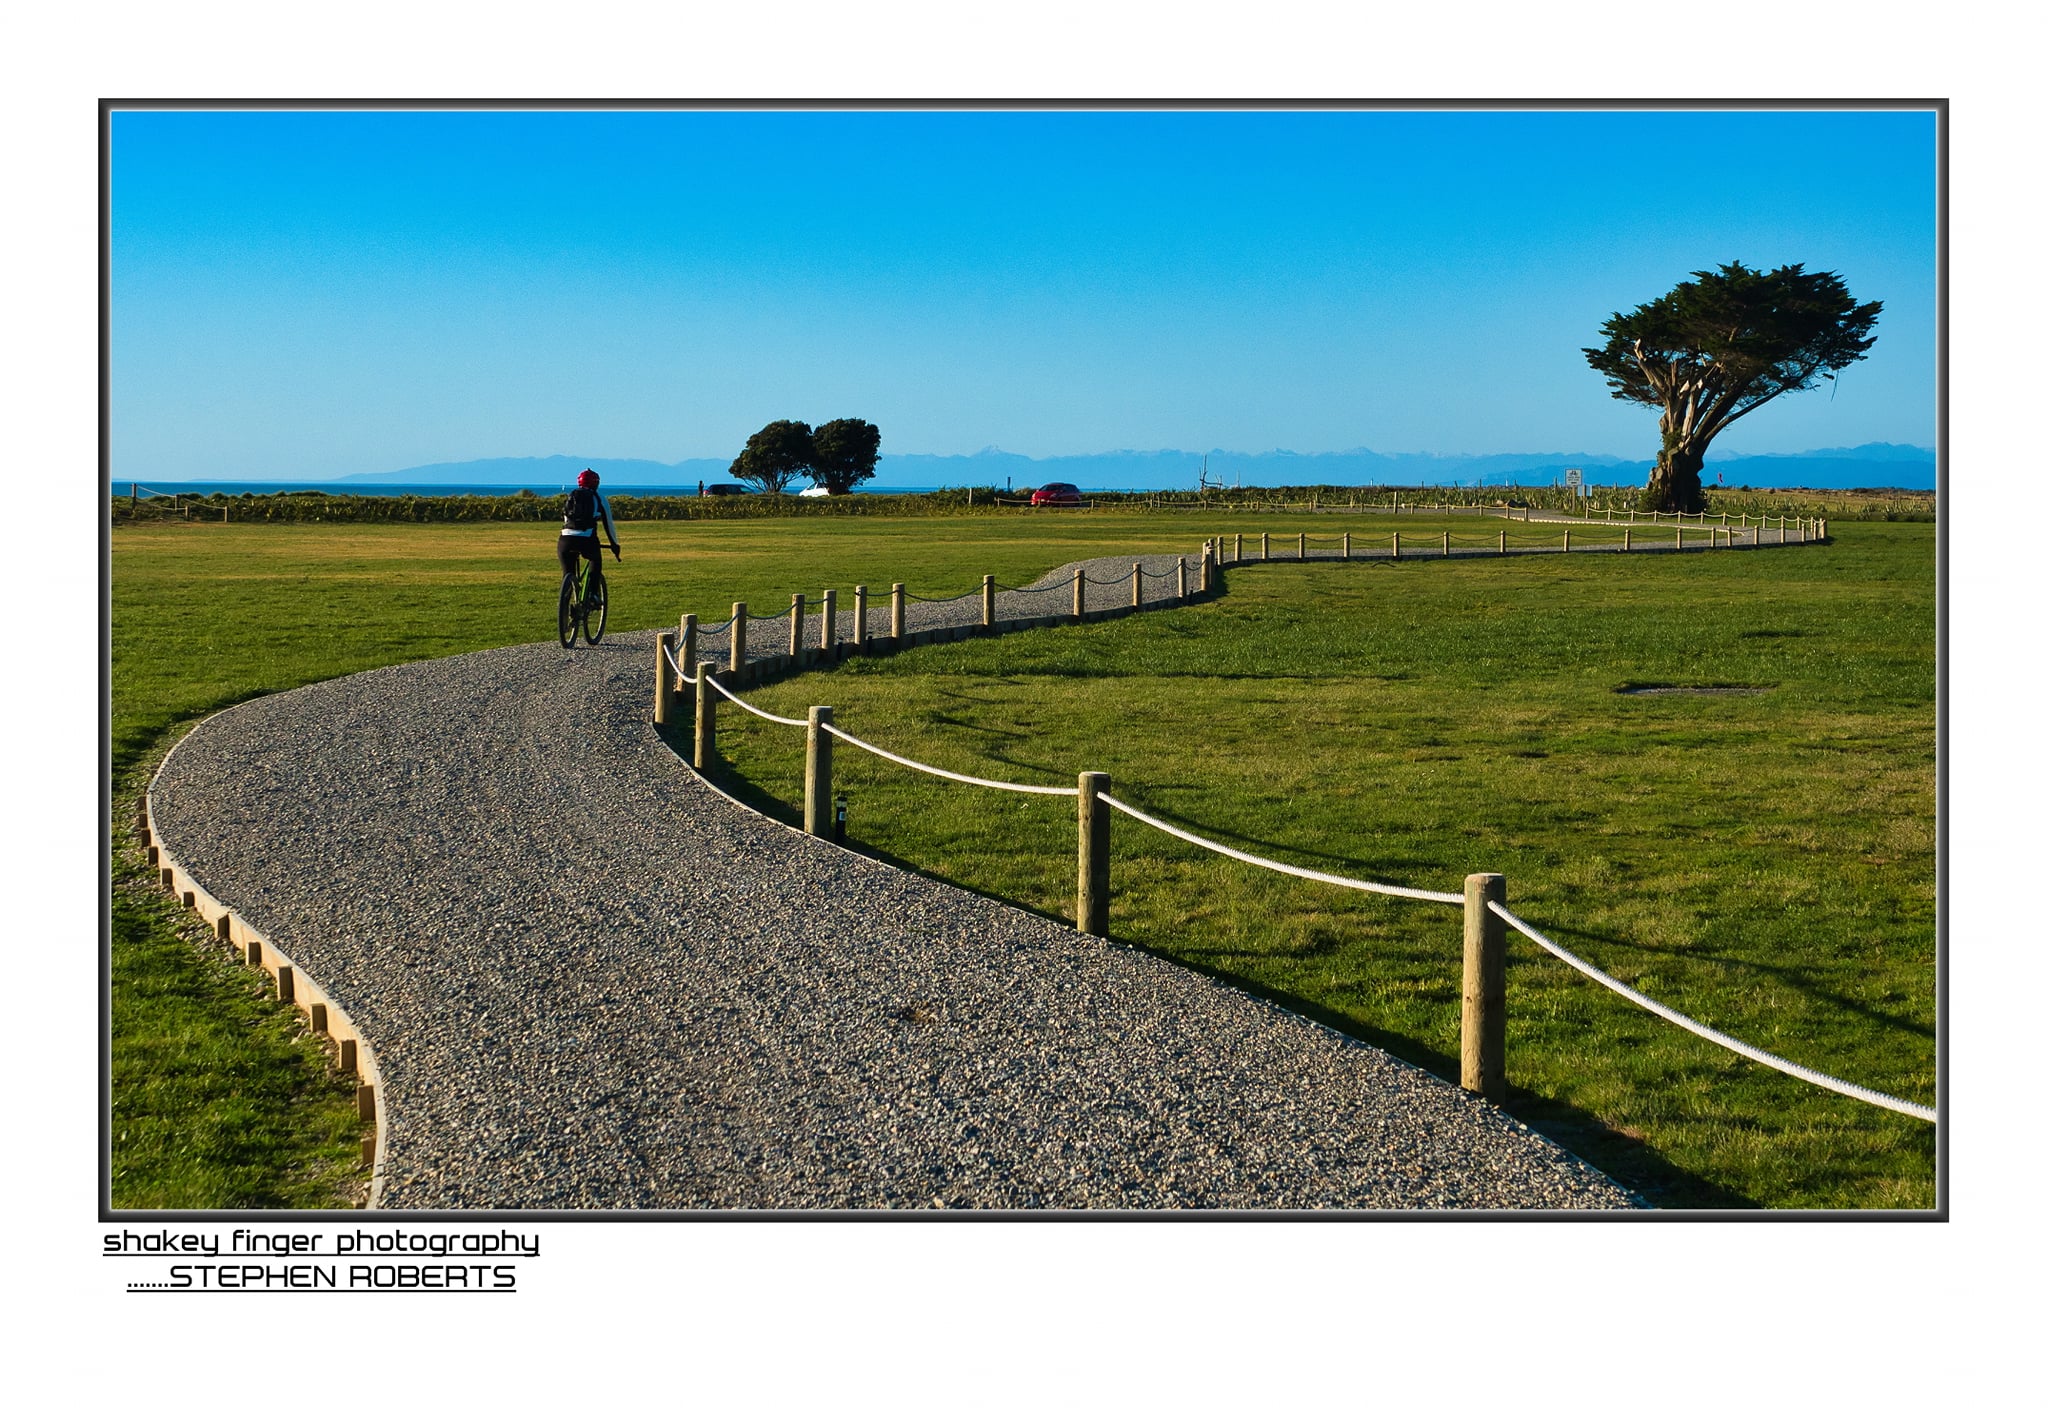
(592, 982)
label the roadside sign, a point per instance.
(1574, 477)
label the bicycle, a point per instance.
(582, 604)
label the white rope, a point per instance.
(750, 707)
(1733, 1045)
(669, 652)
(1444, 897)
(846, 736)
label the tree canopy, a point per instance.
(777, 453)
(846, 453)
(1710, 351)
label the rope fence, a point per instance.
(1694, 1026)
(845, 736)
(1487, 918)
(1406, 892)
(180, 503)
(1040, 587)
(1445, 543)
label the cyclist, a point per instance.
(582, 513)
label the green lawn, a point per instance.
(1764, 863)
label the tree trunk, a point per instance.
(1675, 483)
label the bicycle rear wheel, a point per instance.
(565, 612)
(594, 606)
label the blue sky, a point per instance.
(299, 295)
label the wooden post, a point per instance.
(828, 630)
(736, 641)
(1091, 897)
(1237, 554)
(1678, 535)
(1567, 541)
(1397, 543)
(1503, 541)
(860, 616)
(347, 1049)
(255, 954)
(366, 1102)
(664, 680)
(1080, 594)
(1447, 542)
(1137, 585)
(318, 1014)
(1625, 532)
(988, 600)
(1347, 546)
(896, 611)
(705, 743)
(287, 990)
(1483, 1030)
(1265, 546)
(688, 656)
(818, 774)
(1301, 544)
(796, 625)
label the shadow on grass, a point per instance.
(1627, 1160)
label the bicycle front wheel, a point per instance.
(594, 607)
(565, 612)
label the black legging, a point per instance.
(570, 547)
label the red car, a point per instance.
(1056, 494)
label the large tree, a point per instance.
(777, 453)
(1710, 351)
(847, 451)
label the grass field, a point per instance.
(1763, 862)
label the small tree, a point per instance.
(1710, 351)
(847, 451)
(776, 454)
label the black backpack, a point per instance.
(581, 510)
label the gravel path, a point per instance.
(592, 982)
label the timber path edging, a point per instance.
(257, 949)
(596, 983)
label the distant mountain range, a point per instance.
(1864, 466)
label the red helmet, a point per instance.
(587, 480)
